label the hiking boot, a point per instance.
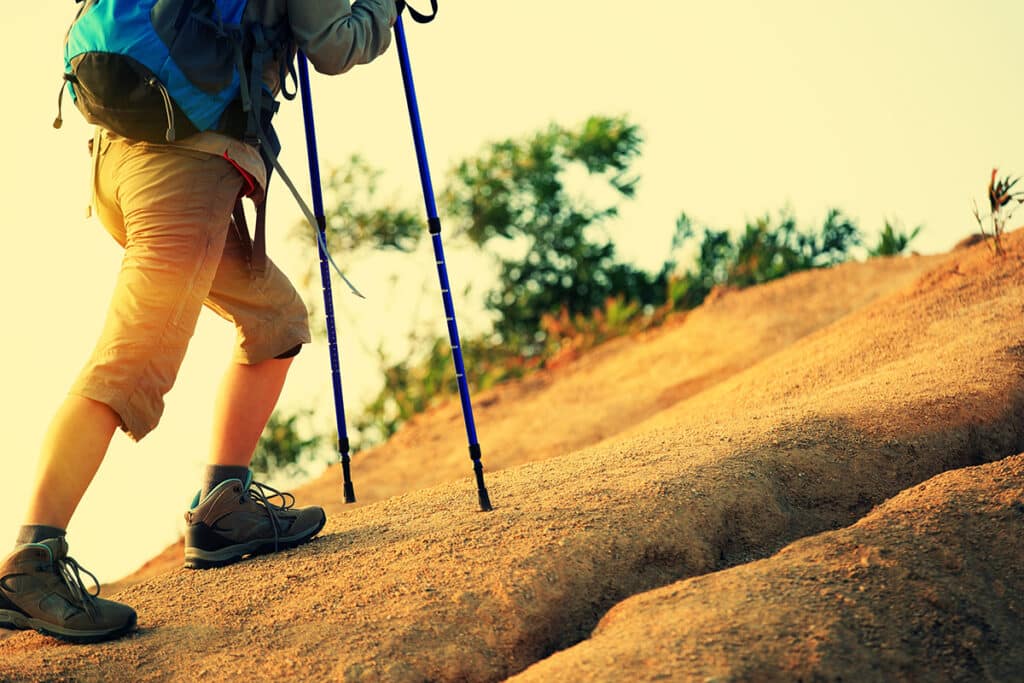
(41, 589)
(237, 519)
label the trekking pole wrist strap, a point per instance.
(417, 16)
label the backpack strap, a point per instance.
(287, 70)
(271, 157)
(238, 216)
(259, 239)
(256, 104)
(256, 245)
(259, 107)
(257, 59)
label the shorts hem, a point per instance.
(267, 351)
(132, 423)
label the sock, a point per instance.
(33, 533)
(215, 474)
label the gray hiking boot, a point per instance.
(41, 589)
(237, 519)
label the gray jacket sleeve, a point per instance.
(337, 35)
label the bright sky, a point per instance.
(880, 108)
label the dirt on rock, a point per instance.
(771, 415)
(620, 383)
(926, 587)
(624, 381)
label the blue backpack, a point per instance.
(158, 70)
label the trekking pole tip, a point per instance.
(350, 492)
(485, 500)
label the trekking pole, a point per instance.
(325, 276)
(434, 224)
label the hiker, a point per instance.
(170, 206)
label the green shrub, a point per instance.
(547, 197)
(893, 240)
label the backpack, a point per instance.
(159, 70)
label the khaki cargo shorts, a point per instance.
(170, 208)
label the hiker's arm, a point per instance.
(337, 35)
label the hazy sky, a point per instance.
(880, 108)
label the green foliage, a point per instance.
(357, 217)
(893, 240)
(536, 194)
(569, 335)
(409, 388)
(416, 383)
(763, 251)
(287, 445)
(539, 205)
(518, 191)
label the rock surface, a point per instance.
(770, 415)
(926, 587)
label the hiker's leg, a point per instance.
(79, 433)
(272, 324)
(247, 396)
(172, 245)
(170, 209)
(81, 427)
(225, 523)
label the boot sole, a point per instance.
(197, 558)
(21, 622)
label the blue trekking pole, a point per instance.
(434, 224)
(325, 276)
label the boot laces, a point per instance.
(68, 569)
(259, 495)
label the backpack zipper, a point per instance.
(154, 83)
(68, 78)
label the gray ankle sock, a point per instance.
(33, 533)
(215, 474)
